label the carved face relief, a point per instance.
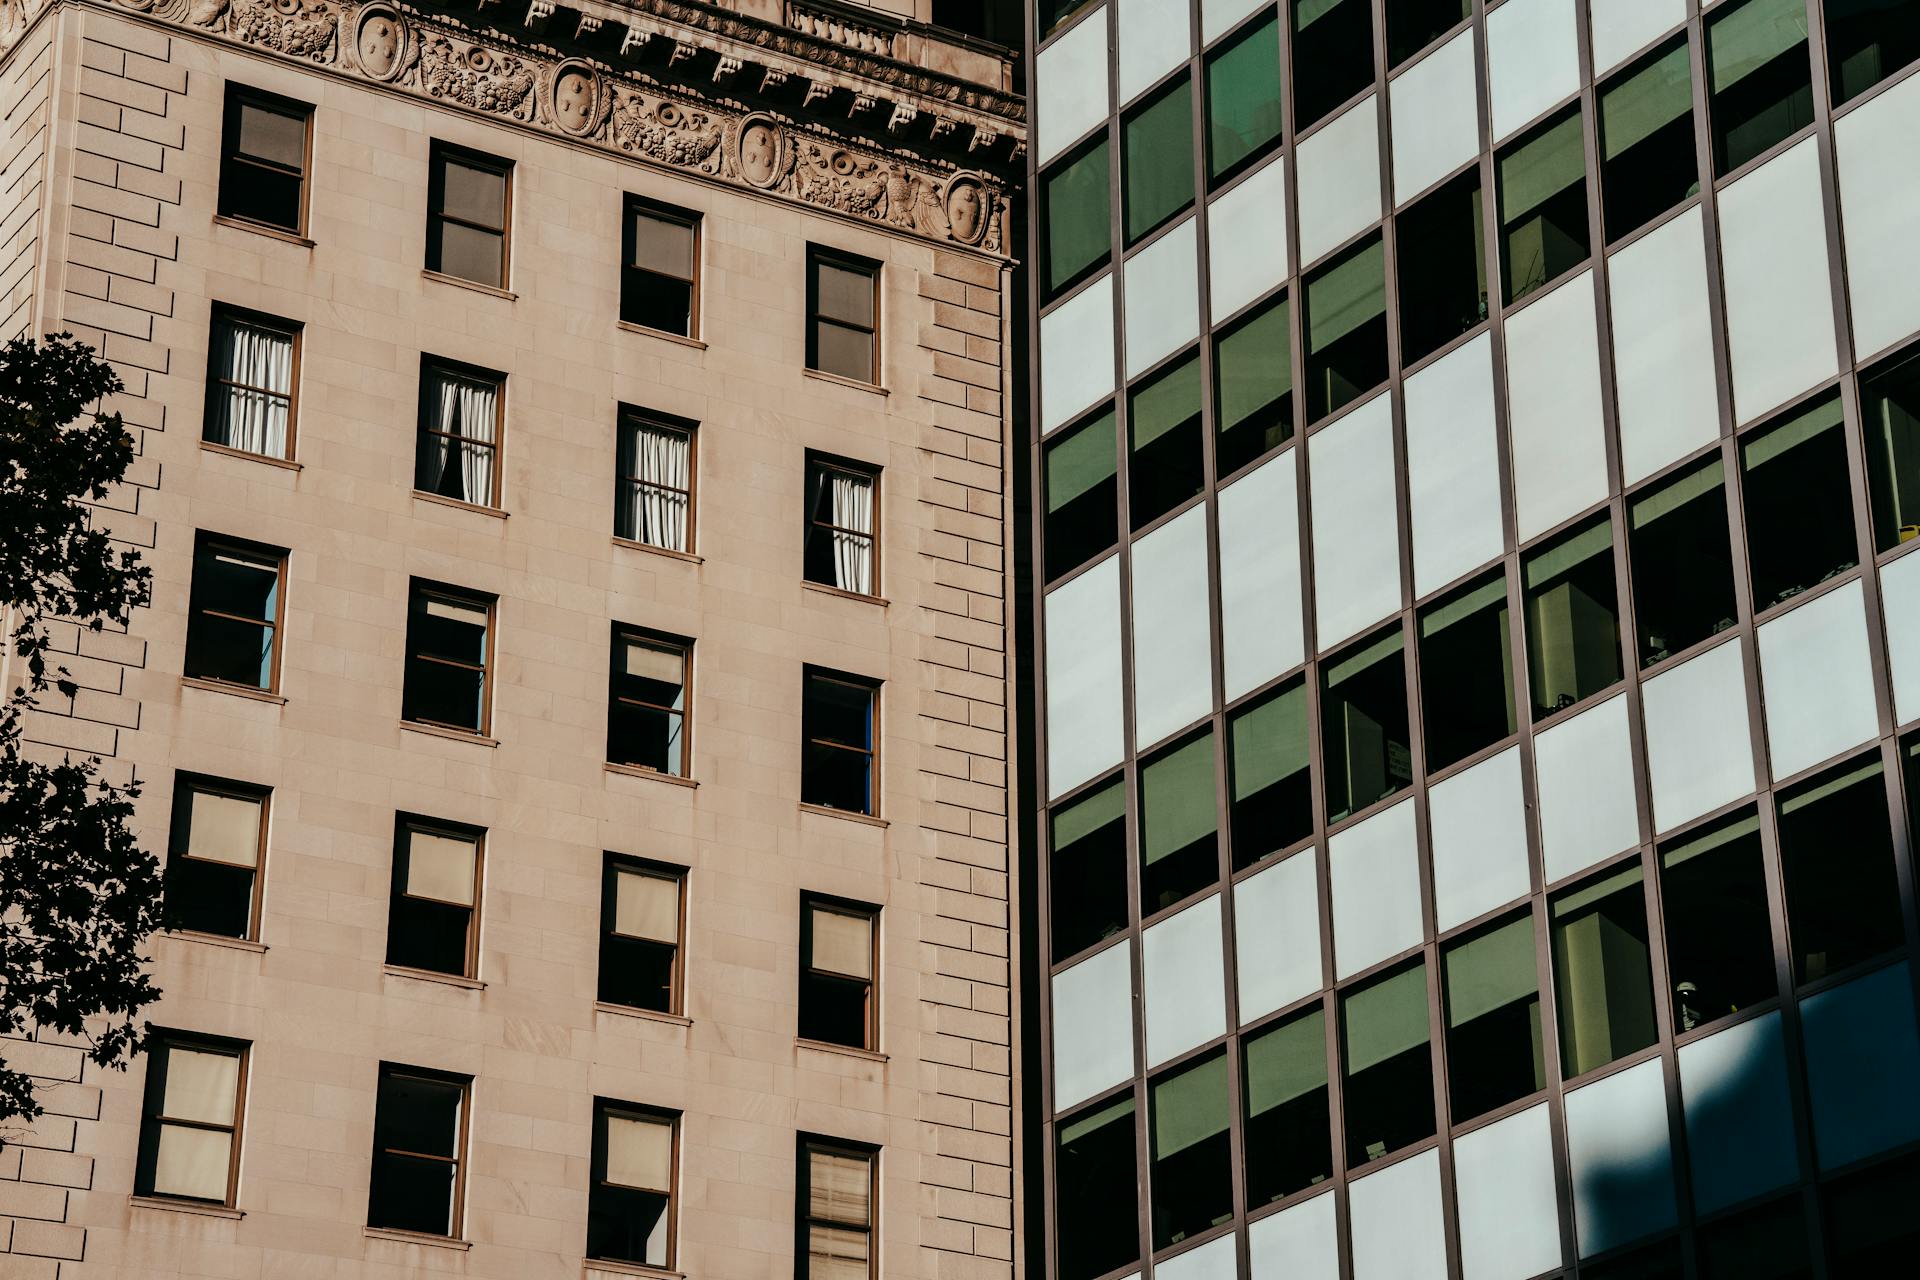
(759, 152)
(574, 98)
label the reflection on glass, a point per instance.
(1243, 99)
(1466, 681)
(1647, 158)
(1713, 895)
(1760, 80)
(1159, 151)
(1346, 329)
(1543, 206)
(1836, 853)
(1192, 1163)
(1363, 723)
(1088, 870)
(1682, 568)
(1799, 503)
(1082, 494)
(1388, 1082)
(1074, 199)
(1096, 1185)
(1573, 619)
(1289, 1134)
(1178, 853)
(1166, 462)
(1272, 779)
(1601, 970)
(1494, 1050)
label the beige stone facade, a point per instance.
(112, 127)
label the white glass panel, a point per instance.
(1863, 1056)
(1532, 59)
(1092, 1026)
(640, 1153)
(1509, 1212)
(1436, 117)
(1276, 935)
(192, 1162)
(1300, 1243)
(1076, 353)
(1453, 466)
(1479, 826)
(1214, 1260)
(1217, 16)
(1739, 1114)
(1584, 773)
(1154, 37)
(440, 867)
(1186, 984)
(1699, 756)
(1172, 641)
(843, 943)
(224, 829)
(1397, 1228)
(1663, 346)
(1622, 27)
(1815, 680)
(646, 906)
(1773, 258)
(1553, 407)
(1621, 1158)
(201, 1086)
(1070, 84)
(1084, 731)
(1900, 600)
(1376, 889)
(1247, 239)
(1261, 623)
(1340, 179)
(1356, 545)
(1163, 297)
(1878, 146)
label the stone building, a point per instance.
(573, 705)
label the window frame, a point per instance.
(185, 785)
(153, 1097)
(425, 587)
(597, 1172)
(634, 417)
(406, 823)
(870, 913)
(433, 370)
(826, 464)
(612, 866)
(660, 642)
(220, 387)
(810, 673)
(634, 206)
(207, 542)
(457, 1210)
(845, 261)
(806, 1144)
(279, 104)
(439, 153)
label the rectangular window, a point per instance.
(419, 1149)
(647, 701)
(1759, 77)
(219, 839)
(843, 315)
(1082, 494)
(1270, 796)
(1346, 323)
(1075, 201)
(1492, 989)
(467, 214)
(263, 159)
(1466, 666)
(838, 1187)
(1543, 206)
(1842, 879)
(654, 501)
(1159, 160)
(842, 539)
(630, 1207)
(1289, 1143)
(1166, 441)
(1363, 720)
(1243, 99)
(1252, 387)
(1713, 899)
(1682, 567)
(659, 267)
(1601, 971)
(447, 647)
(1573, 619)
(1385, 1043)
(1890, 413)
(250, 383)
(839, 954)
(233, 626)
(1867, 41)
(640, 922)
(1179, 824)
(1191, 1150)
(1443, 288)
(1647, 158)
(459, 446)
(1412, 25)
(190, 1120)
(1096, 1184)
(1798, 493)
(838, 718)
(1332, 55)
(436, 893)
(1088, 870)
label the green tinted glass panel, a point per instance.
(1243, 98)
(1078, 227)
(1159, 177)
(1255, 368)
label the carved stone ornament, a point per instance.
(577, 98)
(968, 207)
(380, 42)
(762, 155)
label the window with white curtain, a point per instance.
(654, 503)
(250, 384)
(843, 543)
(458, 454)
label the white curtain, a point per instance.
(657, 511)
(468, 410)
(260, 362)
(852, 552)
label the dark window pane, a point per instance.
(1166, 464)
(1869, 40)
(844, 293)
(833, 1010)
(1346, 330)
(1602, 978)
(1159, 151)
(636, 973)
(1656, 1262)
(1443, 276)
(1289, 1138)
(662, 244)
(1836, 853)
(1076, 199)
(418, 1115)
(209, 897)
(260, 195)
(1253, 388)
(1332, 55)
(1192, 1162)
(410, 1194)
(1890, 421)
(1096, 1192)
(1871, 1228)
(843, 352)
(1647, 158)
(272, 133)
(263, 159)
(1412, 25)
(1389, 1068)
(647, 710)
(446, 660)
(1466, 674)
(428, 935)
(473, 193)
(1243, 98)
(837, 724)
(1713, 899)
(469, 253)
(656, 301)
(1760, 79)
(1363, 722)
(1088, 872)
(1272, 779)
(1768, 1243)
(1799, 503)
(1573, 619)
(416, 1135)
(1083, 494)
(1494, 1050)
(1543, 206)
(1178, 851)
(1682, 570)
(222, 649)
(234, 609)
(627, 1225)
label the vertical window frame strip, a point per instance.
(818, 255)
(220, 387)
(435, 372)
(186, 785)
(278, 104)
(803, 1216)
(636, 206)
(438, 156)
(826, 466)
(153, 1121)
(637, 419)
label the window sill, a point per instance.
(842, 1050)
(643, 1015)
(237, 690)
(416, 1237)
(683, 340)
(430, 975)
(474, 285)
(826, 590)
(847, 815)
(669, 552)
(638, 771)
(872, 388)
(458, 505)
(261, 229)
(167, 1204)
(216, 940)
(610, 1268)
(285, 464)
(451, 735)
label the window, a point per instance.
(1346, 329)
(1363, 723)
(467, 214)
(419, 1142)
(647, 701)
(436, 889)
(630, 1206)
(1088, 870)
(1867, 41)
(1179, 853)
(659, 281)
(1799, 503)
(1543, 206)
(1443, 286)
(1289, 1131)
(1870, 1225)
(219, 837)
(1573, 619)
(1243, 99)
(1759, 78)
(1385, 1043)
(1192, 1112)
(843, 306)
(233, 626)
(1096, 1184)
(1890, 422)
(1836, 855)
(1082, 494)
(458, 453)
(839, 949)
(653, 500)
(1166, 464)
(1075, 202)
(250, 383)
(1271, 763)
(1412, 25)
(838, 1186)
(838, 720)
(1713, 902)
(1332, 55)
(1602, 977)
(1158, 178)
(640, 919)
(842, 538)
(190, 1120)
(1682, 571)
(1466, 673)
(1494, 1051)
(1253, 388)
(263, 159)
(1648, 163)
(446, 680)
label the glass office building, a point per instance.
(1475, 461)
